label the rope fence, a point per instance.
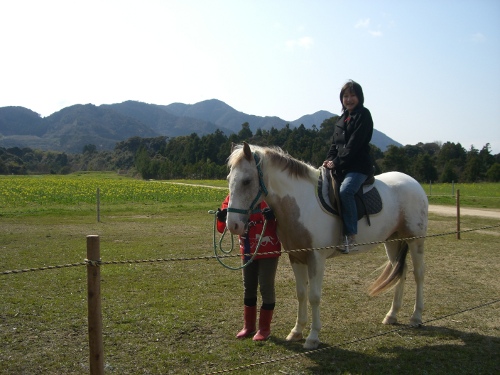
(457, 232)
(210, 257)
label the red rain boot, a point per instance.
(264, 325)
(249, 318)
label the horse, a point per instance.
(289, 186)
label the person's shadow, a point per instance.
(473, 354)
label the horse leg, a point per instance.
(300, 272)
(392, 250)
(316, 270)
(417, 257)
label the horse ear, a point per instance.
(247, 151)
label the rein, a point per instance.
(218, 246)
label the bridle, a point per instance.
(250, 210)
(262, 190)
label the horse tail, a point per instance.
(391, 273)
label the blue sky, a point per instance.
(430, 70)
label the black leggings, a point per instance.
(260, 272)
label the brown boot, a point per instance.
(249, 319)
(264, 325)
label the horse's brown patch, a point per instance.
(291, 232)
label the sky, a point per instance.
(430, 70)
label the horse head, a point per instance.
(246, 187)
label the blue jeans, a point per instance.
(351, 184)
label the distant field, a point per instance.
(483, 195)
(78, 192)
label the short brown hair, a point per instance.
(354, 87)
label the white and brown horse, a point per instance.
(289, 186)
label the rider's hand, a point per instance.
(221, 215)
(328, 164)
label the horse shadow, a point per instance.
(473, 354)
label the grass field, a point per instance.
(181, 317)
(481, 195)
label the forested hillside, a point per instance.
(71, 128)
(204, 157)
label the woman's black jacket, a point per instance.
(350, 150)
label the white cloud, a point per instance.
(364, 23)
(478, 38)
(375, 34)
(305, 42)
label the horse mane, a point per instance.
(277, 157)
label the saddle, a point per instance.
(368, 200)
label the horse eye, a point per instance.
(246, 182)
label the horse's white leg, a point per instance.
(417, 257)
(392, 249)
(316, 271)
(300, 272)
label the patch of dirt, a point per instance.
(452, 211)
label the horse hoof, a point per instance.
(390, 320)
(416, 322)
(311, 344)
(293, 336)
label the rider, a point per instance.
(262, 270)
(349, 155)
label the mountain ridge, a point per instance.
(73, 127)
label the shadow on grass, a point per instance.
(450, 352)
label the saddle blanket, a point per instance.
(368, 201)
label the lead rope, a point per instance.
(227, 252)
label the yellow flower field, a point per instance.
(19, 191)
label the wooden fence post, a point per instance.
(458, 214)
(98, 199)
(94, 306)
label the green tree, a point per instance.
(424, 169)
(142, 162)
(493, 173)
(395, 159)
(245, 133)
(451, 152)
(448, 174)
(89, 149)
(472, 169)
(487, 160)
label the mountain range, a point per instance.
(73, 127)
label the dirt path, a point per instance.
(452, 211)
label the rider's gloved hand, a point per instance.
(268, 214)
(221, 215)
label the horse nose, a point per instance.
(236, 227)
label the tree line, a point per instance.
(195, 157)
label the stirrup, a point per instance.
(348, 244)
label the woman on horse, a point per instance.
(349, 155)
(261, 271)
